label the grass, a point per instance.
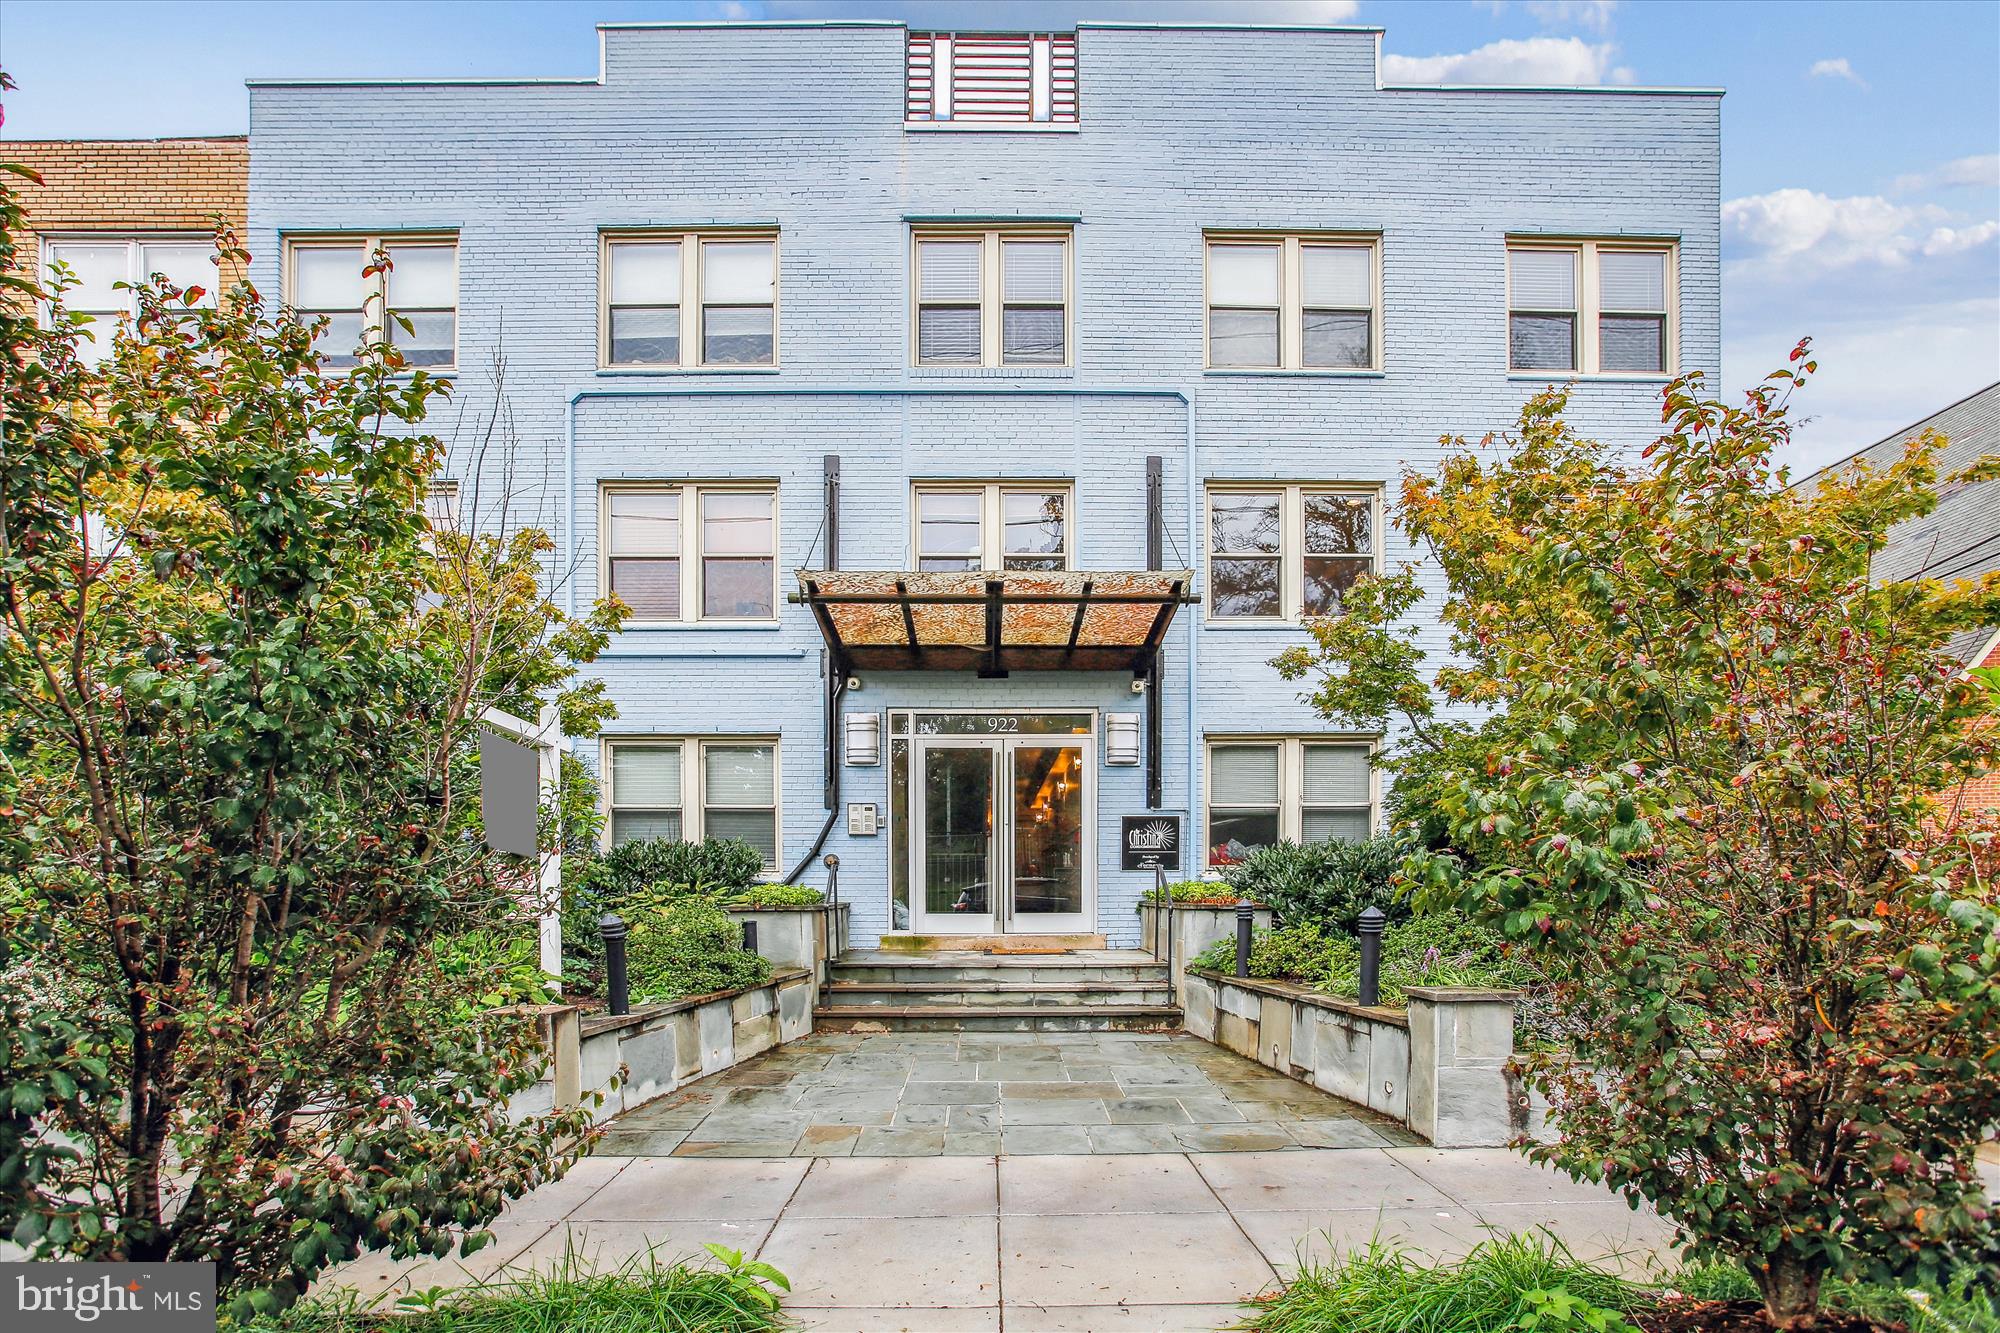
(1514, 1282)
(642, 1295)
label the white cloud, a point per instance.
(1982, 171)
(1797, 228)
(1592, 14)
(1951, 240)
(1566, 61)
(1837, 68)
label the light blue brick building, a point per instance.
(1083, 360)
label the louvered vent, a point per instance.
(992, 77)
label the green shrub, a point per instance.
(1439, 949)
(634, 876)
(508, 964)
(775, 895)
(1205, 892)
(1301, 952)
(1331, 883)
(690, 947)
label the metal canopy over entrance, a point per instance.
(994, 621)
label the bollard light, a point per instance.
(1370, 929)
(612, 927)
(1246, 916)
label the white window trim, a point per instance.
(691, 305)
(992, 292)
(133, 241)
(694, 806)
(375, 287)
(1291, 543)
(1291, 781)
(1586, 250)
(1291, 299)
(992, 517)
(690, 555)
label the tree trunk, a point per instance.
(1790, 1287)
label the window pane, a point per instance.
(645, 273)
(948, 270)
(736, 523)
(1243, 775)
(423, 276)
(339, 340)
(1338, 276)
(1032, 271)
(1632, 342)
(1234, 834)
(327, 277)
(1542, 279)
(1329, 825)
(948, 334)
(738, 273)
(739, 337)
(1337, 524)
(441, 505)
(1031, 335)
(652, 588)
(1240, 587)
(648, 776)
(948, 524)
(431, 339)
(947, 564)
(640, 825)
(1243, 521)
(96, 267)
(759, 828)
(183, 265)
(1243, 275)
(1337, 338)
(1033, 522)
(643, 335)
(645, 522)
(1336, 775)
(1541, 342)
(1631, 281)
(738, 774)
(1327, 579)
(1243, 337)
(738, 589)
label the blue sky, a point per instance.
(1861, 142)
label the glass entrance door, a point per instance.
(1000, 833)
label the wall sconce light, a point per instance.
(864, 739)
(1121, 739)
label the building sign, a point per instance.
(1151, 842)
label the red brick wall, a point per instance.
(1983, 793)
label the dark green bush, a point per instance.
(1330, 883)
(1299, 952)
(633, 876)
(690, 947)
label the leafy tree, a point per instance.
(1712, 802)
(239, 687)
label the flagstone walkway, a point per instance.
(980, 1094)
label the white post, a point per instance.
(545, 734)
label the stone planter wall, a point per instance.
(1193, 929)
(801, 937)
(1440, 1066)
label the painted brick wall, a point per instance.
(133, 186)
(1181, 129)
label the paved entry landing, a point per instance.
(927, 1094)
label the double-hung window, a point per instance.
(99, 263)
(1590, 307)
(996, 526)
(336, 278)
(1295, 789)
(691, 788)
(1293, 302)
(693, 551)
(1280, 552)
(689, 300)
(992, 298)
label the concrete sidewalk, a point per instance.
(1162, 1241)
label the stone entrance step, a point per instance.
(963, 990)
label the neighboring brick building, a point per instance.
(1087, 320)
(120, 209)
